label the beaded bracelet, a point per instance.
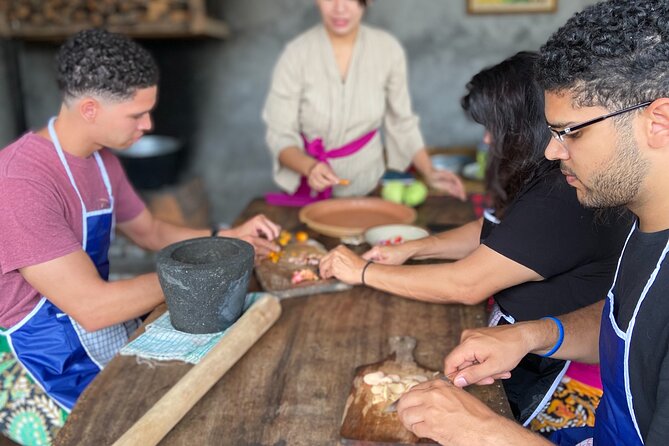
(214, 230)
(364, 268)
(558, 344)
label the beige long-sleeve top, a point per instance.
(308, 96)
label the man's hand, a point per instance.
(486, 354)
(451, 416)
(444, 413)
(321, 176)
(389, 255)
(259, 231)
(446, 181)
(258, 226)
(343, 264)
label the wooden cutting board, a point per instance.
(365, 423)
(276, 277)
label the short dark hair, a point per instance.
(509, 103)
(101, 63)
(612, 54)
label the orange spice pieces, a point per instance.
(274, 256)
(284, 238)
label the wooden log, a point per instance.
(167, 412)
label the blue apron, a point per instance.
(615, 421)
(56, 351)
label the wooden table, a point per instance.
(291, 387)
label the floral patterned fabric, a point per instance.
(573, 405)
(27, 415)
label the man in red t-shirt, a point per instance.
(62, 192)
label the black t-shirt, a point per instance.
(649, 347)
(576, 251)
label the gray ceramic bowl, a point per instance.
(205, 282)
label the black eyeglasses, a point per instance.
(560, 134)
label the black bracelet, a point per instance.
(364, 268)
(214, 230)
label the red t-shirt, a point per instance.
(40, 212)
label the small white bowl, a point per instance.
(393, 234)
(454, 163)
(472, 171)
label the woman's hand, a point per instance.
(389, 255)
(446, 181)
(442, 180)
(343, 264)
(321, 176)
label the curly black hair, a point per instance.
(101, 63)
(509, 103)
(612, 54)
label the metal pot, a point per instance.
(152, 162)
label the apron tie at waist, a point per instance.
(315, 148)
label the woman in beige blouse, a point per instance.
(333, 88)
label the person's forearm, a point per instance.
(454, 244)
(502, 431)
(426, 283)
(510, 433)
(295, 159)
(153, 234)
(164, 234)
(581, 335)
(119, 301)
(421, 160)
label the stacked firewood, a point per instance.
(62, 13)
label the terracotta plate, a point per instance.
(345, 217)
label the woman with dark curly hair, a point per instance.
(606, 81)
(333, 89)
(537, 251)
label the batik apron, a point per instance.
(315, 148)
(59, 354)
(615, 421)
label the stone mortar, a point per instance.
(205, 282)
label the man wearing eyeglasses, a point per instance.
(606, 77)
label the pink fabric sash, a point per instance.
(304, 194)
(585, 373)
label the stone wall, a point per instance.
(212, 91)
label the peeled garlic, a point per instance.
(394, 378)
(387, 388)
(397, 388)
(378, 399)
(419, 378)
(373, 378)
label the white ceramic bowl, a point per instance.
(393, 234)
(472, 171)
(454, 163)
